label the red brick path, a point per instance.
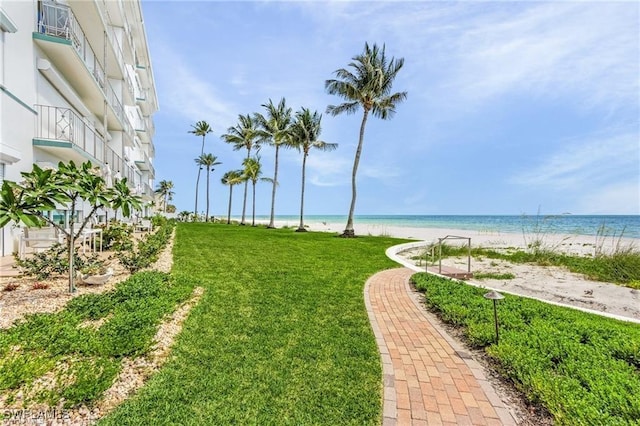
(428, 378)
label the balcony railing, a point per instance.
(117, 164)
(63, 124)
(57, 20)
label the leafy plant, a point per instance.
(117, 236)
(54, 262)
(147, 249)
(85, 361)
(582, 367)
(42, 190)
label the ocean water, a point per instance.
(610, 226)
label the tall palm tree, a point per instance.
(201, 128)
(305, 132)
(165, 190)
(274, 130)
(231, 178)
(253, 172)
(208, 161)
(367, 85)
(244, 135)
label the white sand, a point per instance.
(553, 284)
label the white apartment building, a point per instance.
(75, 84)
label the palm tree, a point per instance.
(244, 135)
(252, 171)
(164, 189)
(304, 136)
(368, 85)
(208, 161)
(274, 130)
(231, 178)
(201, 128)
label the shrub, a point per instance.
(54, 262)
(582, 367)
(147, 250)
(117, 236)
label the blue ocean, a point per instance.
(610, 226)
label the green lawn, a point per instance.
(281, 335)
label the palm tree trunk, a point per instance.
(349, 231)
(273, 192)
(301, 227)
(206, 217)
(229, 211)
(244, 203)
(195, 211)
(253, 216)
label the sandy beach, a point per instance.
(571, 244)
(553, 284)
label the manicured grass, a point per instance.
(281, 335)
(585, 369)
(621, 267)
(83, 360)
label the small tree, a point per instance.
(42, 190)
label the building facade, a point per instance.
(76, 83)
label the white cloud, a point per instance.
(581, 164)
(187, 94)
(327, 169)
(549, 49)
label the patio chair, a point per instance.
(37, 239)
(144, 225)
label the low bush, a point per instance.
(54, 262)
(85, 360)
(584, 368)
(117, 236)
(148, 248)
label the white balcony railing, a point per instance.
(57, 20)
(63, 124)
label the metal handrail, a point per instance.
(59, 21)
(63, 124)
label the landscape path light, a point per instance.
(495, 296)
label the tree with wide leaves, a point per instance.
(208, 161)
(232, 178)
(253, 172)
(305, 132)
(367, 84)
(44, 190)
(244, 135)
(201, 128)
(165, 190)
(274, 130)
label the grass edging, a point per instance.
(583, 368)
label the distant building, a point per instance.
(76, 84)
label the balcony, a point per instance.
(121, 167)
(62, 39)
(64, 134)
(145, 164)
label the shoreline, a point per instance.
(583, 245)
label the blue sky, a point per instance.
(513, 107)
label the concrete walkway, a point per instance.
(428, 378)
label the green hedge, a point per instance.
(584, 368)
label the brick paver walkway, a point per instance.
(428, 379)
